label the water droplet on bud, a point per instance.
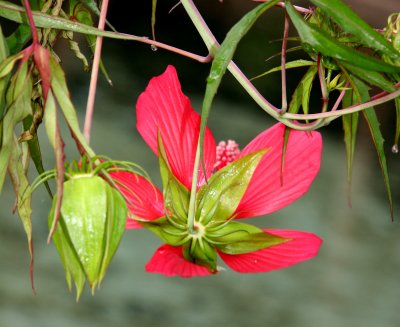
(153, 47)
(395, 148)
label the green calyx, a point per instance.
(216, 202)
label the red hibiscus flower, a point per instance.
(232, 185)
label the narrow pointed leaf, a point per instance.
(223, 56)
(291, 64)
(376, 134)
(316, 40)
(353, 24)
(397, 135)
(350, 127)
(371, 77)
(61, 93)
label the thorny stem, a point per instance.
(95, 73)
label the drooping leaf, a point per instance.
(224, 55)
(315, 40)
(395, 147)
(218, 199)
(18, 99)
(350, 127)
(376, 134)
(23, 193)
(61, 93)
(353, 24)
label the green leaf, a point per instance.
(353, 24)
(18, 99)
(291, 64)
(301, 95)
(176, 195)
(17, 14)
(218, 199)
(61, 93)
(315, 40)
(350, 126)
(4, 51)
(395, 148)
(373, 124)
(371, 77)
(240, 238)
(19, 38)
(23, 193)
(223, 56)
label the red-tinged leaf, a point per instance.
(144, 200)
(169, 261)
(265, 192)
(302, 246)
(163, 109)
(41, 58)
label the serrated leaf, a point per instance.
(316, 40)
(218, 199)
(353, 24)
(240, 238)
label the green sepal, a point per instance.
(95, 217)
(117, 213)
(176, 195)
(69, 258)
(202, 253)
(168, 229)
(240, 238)
(218, 199)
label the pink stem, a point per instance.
(95, 73)
(35, 38)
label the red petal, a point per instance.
(144, 200)
(303, 246)
(163, 107)
(268, 190)
(169, 261)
